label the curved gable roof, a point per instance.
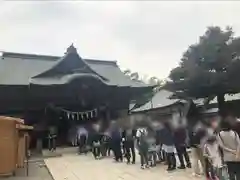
(19, 69)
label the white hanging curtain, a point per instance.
(79, 115)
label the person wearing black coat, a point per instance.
(129, 146)
(169, 146)
(116, 144)
(159, 142)
(105, 145)
(96, 145)
(180, 138)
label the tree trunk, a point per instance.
(221, 104)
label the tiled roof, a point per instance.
(19, 69)
(159, 100)
(200, 101)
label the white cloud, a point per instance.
(148, 37)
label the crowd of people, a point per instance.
(158, 145)
(215, 148)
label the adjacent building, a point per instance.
(162, 108)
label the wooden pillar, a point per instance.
(39, 145)
(123, 118)
(108, 119)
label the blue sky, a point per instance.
(145, 36)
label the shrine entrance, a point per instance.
(67, 122)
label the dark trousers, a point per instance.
(182, 153)
(171, 160)
(116, 147)
(82, 143)
(130, 151)
(234, 170)
(143, 157)
(52, 144)
(105, 149)
(96, 151)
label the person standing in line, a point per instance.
(160, 142)
(180, 137)
(143, 148)
(152, 151)
(129, 146)
(169, 148)
(96, 145)
(82, 135)
(108, 144)
(229, 142)
(72, 134)
(116, 144)
(52, 136)
(105, 144)
(196, 138)
(213, 159)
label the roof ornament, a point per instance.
(71, 49)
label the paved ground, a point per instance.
(81, 167)
(37, 171)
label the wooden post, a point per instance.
(108, 118)
(39, 145)
(26, 153)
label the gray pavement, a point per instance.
(37, 171)
(81, 167)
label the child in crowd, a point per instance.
(213, 159)
(152, 152)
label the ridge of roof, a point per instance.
(6, 54)
(29, 56)
(96, 61)
(159, 100)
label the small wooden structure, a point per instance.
(13, 144)
(162, 108)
